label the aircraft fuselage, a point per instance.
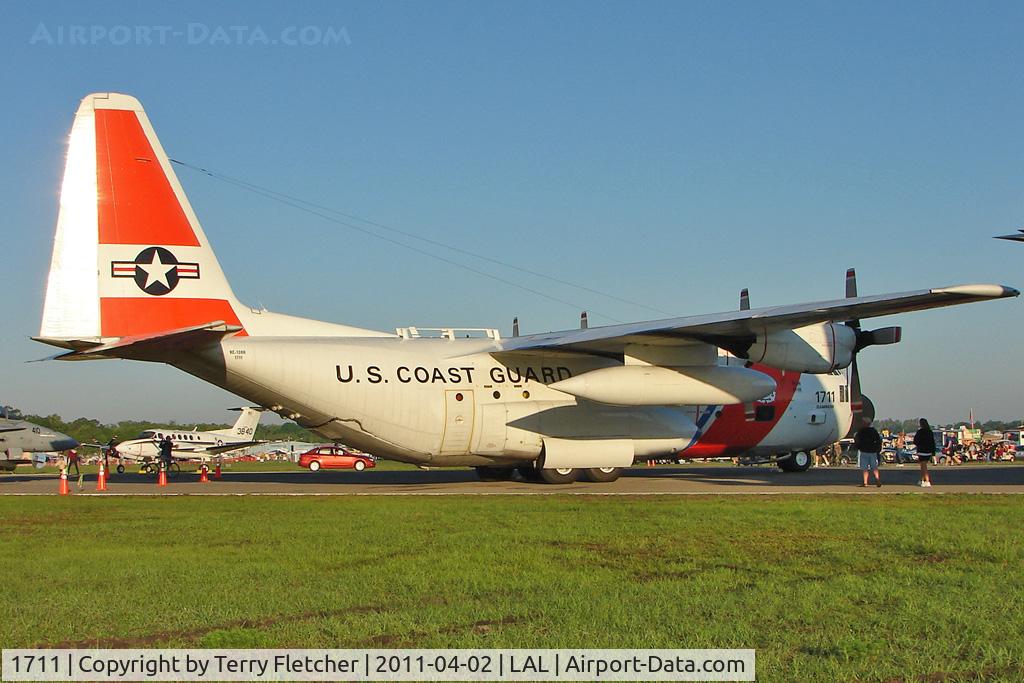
(460, 402)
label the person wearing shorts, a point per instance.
(924, 440)
(869, 444)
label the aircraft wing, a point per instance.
(736, 327)
(217, 450)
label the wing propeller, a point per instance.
(862, 407)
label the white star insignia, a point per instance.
(156, 271)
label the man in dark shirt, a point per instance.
(166, 446)
(869, 443)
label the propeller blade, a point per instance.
(851, 283)
(515, 326)
(744, 299)
(867, 411)
(856, 399)
(879, 337)
(851, 293)
(583, 320)
(860, 405)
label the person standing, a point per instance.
(924, 440)
(869, 444)
(166, 447)
(901, 445)
(110, 449)
(73, 462)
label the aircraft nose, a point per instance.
(63, 442)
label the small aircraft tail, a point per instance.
(245, 426)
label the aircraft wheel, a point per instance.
(359, 466)
(566, 475)
(495, 473)
(120, 469)
(602, 474)
(529, 472)
(314, 466)
(796, 462)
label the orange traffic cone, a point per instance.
(101, 479)
(202, 475)
(216, 472)
(650, 463)
(161, 478)
(64, 490)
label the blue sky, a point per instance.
(668, 153)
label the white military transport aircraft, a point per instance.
(134, 276)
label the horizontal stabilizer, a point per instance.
(153, 346)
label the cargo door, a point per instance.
(458, 422)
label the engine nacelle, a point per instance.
(815, 349)
(649, 385)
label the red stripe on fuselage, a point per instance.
(135, 200)
(129, 317)
(731, 434)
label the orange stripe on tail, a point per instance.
(127, 317)
(137, 204)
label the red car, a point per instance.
(336, 458)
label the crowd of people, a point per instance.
(959, 453)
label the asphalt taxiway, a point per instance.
(663, 480)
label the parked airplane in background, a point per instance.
(133, 276)
(191, 445)
(23, 443)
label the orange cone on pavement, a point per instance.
(202, 474)
(161, 478)
(101, 479)
(64, 490)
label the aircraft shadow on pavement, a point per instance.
(723, 476)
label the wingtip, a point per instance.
(982, 291)
(1019, 237)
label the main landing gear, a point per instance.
(797, 461)
(566, 475)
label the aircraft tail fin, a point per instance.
(129, 255)
(246, 424)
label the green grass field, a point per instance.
(825, 588)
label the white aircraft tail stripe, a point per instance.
(71, 308)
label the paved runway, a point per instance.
(671, 480)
